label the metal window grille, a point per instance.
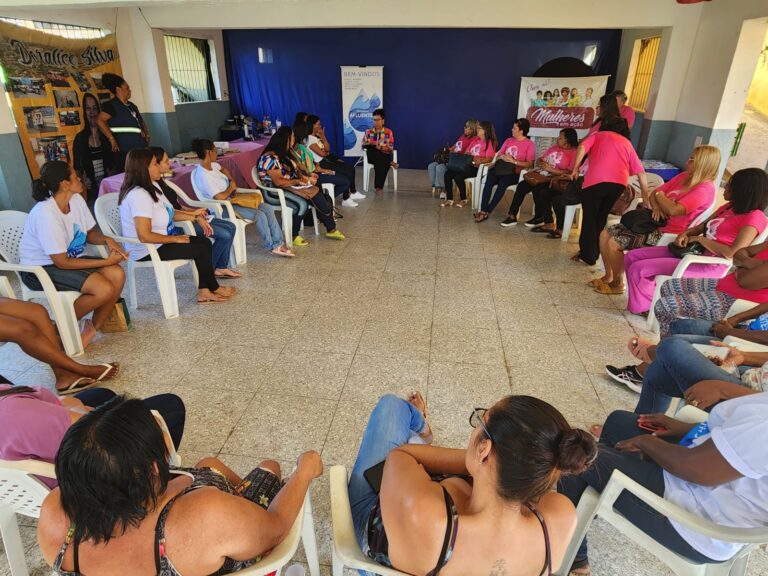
(64, 30)
(646, 64)
(189, 65)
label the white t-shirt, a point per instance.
(736, 427)
(49, 231)
(209, 182)
(138, 203)
(312, 139)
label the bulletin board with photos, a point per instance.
(46, 77)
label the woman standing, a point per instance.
(91, 153)
(437, 169)
(611, 162)
(482, 150)
(146, 215)
(121, 121)
(55, 234)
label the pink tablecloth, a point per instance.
(239, 164)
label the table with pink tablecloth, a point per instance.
(239, 164)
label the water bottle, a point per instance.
(246, 129)
(277, 121)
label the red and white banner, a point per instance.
(551, 104)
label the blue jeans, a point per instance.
(677, 367)
(692, 327)
(223, 236)
(266, 223)
(437, 174)
(392, 423)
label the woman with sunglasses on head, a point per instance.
(485, 509)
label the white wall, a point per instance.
(218, 62)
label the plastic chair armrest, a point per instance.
(694, 259)
(744, 345)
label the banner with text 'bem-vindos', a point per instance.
(46, 77)
(551, 104)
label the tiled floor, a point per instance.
(416, 298)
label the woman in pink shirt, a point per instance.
(437, 169)
(482, 149)
(680, 201)
(734, 226)
(607, 108)
(612, 160)
(627, 112)
(515, 155)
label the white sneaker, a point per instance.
(443, 196)
(349, 203)
(357, 196)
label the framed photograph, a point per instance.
(69, 118)
(66, 99)
(96, 79)
(50, 148)
(57, 79)
(40, 119)
(83, 84)
(22, 87)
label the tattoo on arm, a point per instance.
(499, 568)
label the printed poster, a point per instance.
(362, 90)
(551, 104)
(46, 77)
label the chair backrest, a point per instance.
(762, 237)
(180, 192)
(20, 490)
(259, 183)
(11, 229)
(108, 215)
(704, 216)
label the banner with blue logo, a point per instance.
(362, 92)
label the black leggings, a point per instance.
(523, 189)
(458, 178)
(199, 250)
(324, 211)
(340, 167)
(381, 162)
(596, 204)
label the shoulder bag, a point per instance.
(537, 178)
(694, 248)
(504, 168)
(640, 221)
(459, 162)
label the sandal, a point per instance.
(460, 204)
(554, 234)
(446, 204)
(481, 216)
(77, 386)
(110, 371)
(610, 290)
(283, 251)
(541, 230)
(228, 274)
(414, 397)
(639, 347)
(577, 258)
(595, 282)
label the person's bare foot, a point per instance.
(226, 291)
(379, 190)
(596, 430)
(206, 296)
(227, 273)
(88, 333)
(417, 400)
(65, 379)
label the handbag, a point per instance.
(694, 248)
(640, 221)
(246, 200)
(459, 162)
(536, 178)
(441, 156)
(623, 202)
(560, 183)
(504, 168)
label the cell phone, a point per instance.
(651, 427)
(374, 475)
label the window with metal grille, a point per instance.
(65, 30)
(189, 64)
(646, 64)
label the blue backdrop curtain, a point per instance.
(434, 79)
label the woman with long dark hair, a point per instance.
(91, 153)
(318, 145)
(145, 214)
(55, 236)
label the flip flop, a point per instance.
(595, 282)
(213, 299)
(232, 274)
(77, 386)
(610, 290)
(283, 253)
(110, 371)
(426, 436)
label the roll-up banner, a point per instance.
(362, 92)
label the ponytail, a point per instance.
(52, 174)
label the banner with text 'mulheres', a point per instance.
(46, 77)
(551, 104)
(362, 92)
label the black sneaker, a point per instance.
(510, 221)
(534, 222)
(628, 375)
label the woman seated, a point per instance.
(557, 160)
(146, 215)
(36, 419)
(318, 145)
(278, 169)
(437, 169)
(302, 155)
(487, 509)
(379, 144)
(214, 182)
(221, 232)
(139, 517)
(28, 325)
(679, 202)
(714, 470)
(515, 155)
(481, 149)
(55, 234)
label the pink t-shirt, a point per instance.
(628, 113)
(522, 150)
(611, 159)
(695, 201)
(560, 158)
(479, 147)
(726, 224)
(462, 143)
(34, 424)
(730, 286)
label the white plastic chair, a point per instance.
(698, 221)
(60, 303)
(570, 216)
(594, 504)
(346, 551)
(368, 167)
(108, 217)
(20, 493)
(652, 324)
(303, 530)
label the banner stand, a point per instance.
(362, 92)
